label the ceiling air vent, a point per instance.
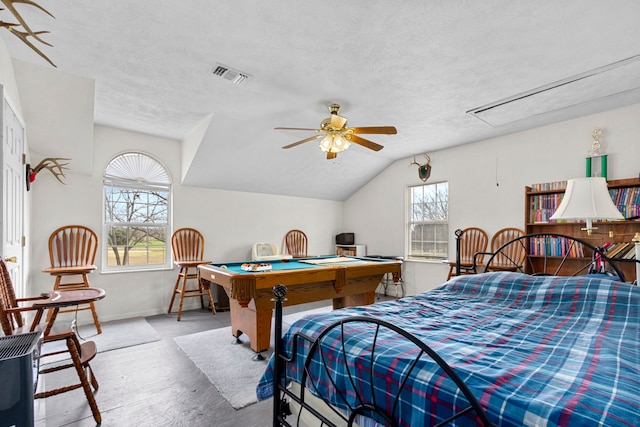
(234, 76)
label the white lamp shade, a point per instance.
(587, 199)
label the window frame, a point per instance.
(409, 223)
(144, 186)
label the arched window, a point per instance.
(137, 201)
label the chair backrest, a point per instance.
(9, 321)
(473, 240)
(261, 250)
(512, 256)
(187, 244)
(296, 242)
(72, 246)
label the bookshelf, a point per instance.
(541, 201)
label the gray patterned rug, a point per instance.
(115, 334)
(229, 366)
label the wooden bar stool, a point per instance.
(72, 253)
(188, 251)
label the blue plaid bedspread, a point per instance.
(535, 351)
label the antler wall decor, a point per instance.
(52, 164)
(21, 30)
(424, 170)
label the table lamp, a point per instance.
(587, 199)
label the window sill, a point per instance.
(137, 270)
(427, 260)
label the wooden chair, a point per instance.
(473, 240)
(72, 254)
(297, 243)
(188, 251)
(511, 257)
(12, 323)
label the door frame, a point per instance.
(13, 241)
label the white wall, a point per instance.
(230, 221)
(7, 78)
(233, 221)
(552, 153)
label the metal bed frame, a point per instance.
(594, 261)
(366, 407)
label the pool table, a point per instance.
(348, 281)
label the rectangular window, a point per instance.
(428, 221)
(137, 227)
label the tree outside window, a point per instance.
(137, 194)
(428, 221)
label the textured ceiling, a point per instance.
(417, 65)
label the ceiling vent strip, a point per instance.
(617, 78)
(228, 73)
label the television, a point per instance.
(345, 239)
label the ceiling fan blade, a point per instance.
(315, 130)
(302, 141)
(337, 121)
(382, 130)
(331, 155)
(365, 143)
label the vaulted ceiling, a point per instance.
(419, 65)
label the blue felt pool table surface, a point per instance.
(295, 264)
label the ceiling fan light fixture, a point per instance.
(334, 143)
(337, 137)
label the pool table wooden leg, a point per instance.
(354, 300)
(256, 324)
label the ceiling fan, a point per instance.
(338, 137)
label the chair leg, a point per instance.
(185, 273)
(86, 381)
(92, 306)
(82, 374)
(200, 288)
(175, 291)
(92, 378)
(95, 317)
(450, 272)
(206, 287)
(181, 287)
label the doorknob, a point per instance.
(10, 259)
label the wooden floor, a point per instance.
(156, 384)
(153, 384)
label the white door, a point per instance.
(13, 188)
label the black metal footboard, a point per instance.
(358, 392)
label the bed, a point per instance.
(505, 348)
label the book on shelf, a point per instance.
(543, 206)
(556, 246)
(616, 249)
(547, 186)
(627, 200)
(624, 250)
(631, 253)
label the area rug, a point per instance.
(229, 366)
(115, 334)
